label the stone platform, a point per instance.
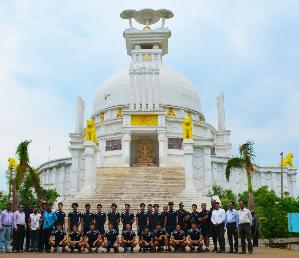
(139, 184)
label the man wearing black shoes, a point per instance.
(160, 238)
(178, 239)
(218, 220)
(141, 220)
(194, 238)
(171, 220)
(111, 239)
(128, 241)
(147, 240)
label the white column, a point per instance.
(156, 87)
(90, 156)
(79, 126)
(207, 167)
(188, 163)
(137, 88)
(126, 149)
(143, 87)
(150, 88)
(132, 87)
(220, 109)
(162, 148)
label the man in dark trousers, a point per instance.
(86, 219)
(204, 218)
(27, 211)
(100, 220)
(114, 217)
(231, 225)
(182, 217)
(141, 221)
(60, 214)
(171, 221)
(245, 221)
(213, 229)
(43, 207)
(74, 217)
(19, 227)
(218, 220)
(155, 217)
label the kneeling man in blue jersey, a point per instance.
(111, 239)
(128, 241)
(147, 240)
(194, 238)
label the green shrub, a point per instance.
(3, 201)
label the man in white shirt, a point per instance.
(218, 220)
(19, 227)
(34, 224)
(245, 220)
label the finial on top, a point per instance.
(147, 17)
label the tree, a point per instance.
(245, 160)
(24, 169)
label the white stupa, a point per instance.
(138, 112)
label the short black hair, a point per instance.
(170, 203)
(99, 205)
(149, 205)
(231, 202)
(194, 205)
(75, 204)
(87, 205)
(113, 205)
(146, 227)
(156, 205)
(110, 223)
(142, 204)
(58, 224)
(127, 205)
(194, 222)
(60, 203)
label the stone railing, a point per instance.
(55, 175)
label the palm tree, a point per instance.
(23, 168)
(245, 160)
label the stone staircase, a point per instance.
(139, 184)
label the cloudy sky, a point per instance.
(52, 51)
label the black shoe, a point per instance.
(230, 252)
(116, 250)
(140, 250)
(200, 250)
(235, 252)
(192, 249)
(242, 252)
(215, 250)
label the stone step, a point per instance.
(138, 184)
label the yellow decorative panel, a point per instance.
(144, 120)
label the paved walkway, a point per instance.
(261, 252)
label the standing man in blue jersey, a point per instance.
(114, 217)
(49, 219)
(74, 217)
(60, 214)
(141, 221)
(171, 220)
(86, 219)
(127, 217)
(155, 217)
(100, 220)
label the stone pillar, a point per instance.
(207, 168)
(162, 149)
(76, 149)
(126, 149)
(156, 72)
(132, 87)
(90, 156)
(188, 163)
